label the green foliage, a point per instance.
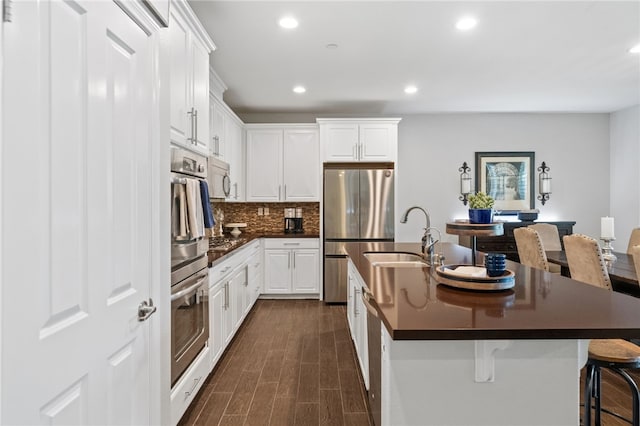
(480, 200)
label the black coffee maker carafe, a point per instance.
(293, 221)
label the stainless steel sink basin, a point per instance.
(396, 260)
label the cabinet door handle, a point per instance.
(285, 193)
(355, 301)
(355, 151)
(279, 188)
(195, 383)
(195, 137)
(235, 189)
(294, 260)
(226, 295)
(190, 114)
(289, 261)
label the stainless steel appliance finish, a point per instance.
(358, 206)
(189, 318)
(374, 346)
(218, 178)
(189, 273)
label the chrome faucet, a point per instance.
(428, 243)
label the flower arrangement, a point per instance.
(480, 200)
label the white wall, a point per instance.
(575, 146)
(625, 173)
(431, 148)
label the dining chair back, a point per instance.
(550, 241)
(585, 260)
(634, 240)
(635, 253)
(549, 236)
(530, 248)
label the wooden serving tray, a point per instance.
(502, 282)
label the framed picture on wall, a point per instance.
(508, 178)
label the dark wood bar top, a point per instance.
(414, 306)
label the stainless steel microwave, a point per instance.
(218, 178)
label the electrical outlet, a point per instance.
(266, 211)
(260, 211)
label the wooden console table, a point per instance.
(506, 243)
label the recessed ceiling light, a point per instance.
(410, 90)
(635, 49)
(466, 23)
(299, 89)
(288, 22)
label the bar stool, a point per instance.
(550, 238)
(614, 354)
(587, 265)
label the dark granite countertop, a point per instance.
(414, 306)
(245, 238)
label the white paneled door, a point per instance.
(76, 180)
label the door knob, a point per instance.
(145, 310)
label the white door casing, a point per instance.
(77, 183)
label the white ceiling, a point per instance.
(550, 56)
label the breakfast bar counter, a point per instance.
(511, 357)
(541, 305)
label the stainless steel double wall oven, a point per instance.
(189, 273)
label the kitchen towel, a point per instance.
(209, 222)
(194, 209)
(179, 227)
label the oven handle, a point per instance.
(190, 289)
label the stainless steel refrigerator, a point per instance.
(358, 205)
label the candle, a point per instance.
(545, 186)
(606, 228)
(465, 186)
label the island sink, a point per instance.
(396, 260)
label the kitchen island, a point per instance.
(461, 357)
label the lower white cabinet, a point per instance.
(291, 266)
(230, 297)
(185, 390)
(357, 319)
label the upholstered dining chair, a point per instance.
(530, 248)
(634, 240)
(635, 253)
(585, 260)
(550, 241)
(587, 265)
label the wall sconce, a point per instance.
(465, 183)
(544, 183)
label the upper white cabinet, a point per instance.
(372, 140)
(226, 143)
(189, 47)
(282, 163)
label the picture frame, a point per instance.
(508, 177)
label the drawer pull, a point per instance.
(195, 383)
(291, 244)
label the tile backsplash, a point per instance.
(274, 221)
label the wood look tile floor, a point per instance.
(293, 363)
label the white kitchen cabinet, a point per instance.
(291, 266)
(231, 296)
(282, 163)
(357, 319)
(234, 155)
(366, 140)
(189, 47)
(218, 117)
(239, 283)
(255, 276)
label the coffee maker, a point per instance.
(293, 220)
